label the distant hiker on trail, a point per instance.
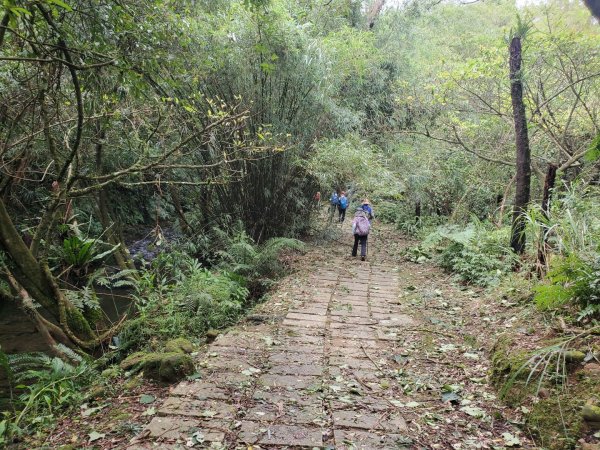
(360, 229)
(334, 200)
(317, 199)
(366, 207)
(343, 204)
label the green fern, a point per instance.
(571, 279)
(122, 278)
(21, 363)
(550, 296)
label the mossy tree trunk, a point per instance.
(34, 277)
(547, 194)
(523, 177)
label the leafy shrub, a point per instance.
(472, 265)
(238, 253)
(187, 305)
(177, 297)
(475, 253)
(80, 252)
(388, 212)
(571, 279)
(572, 233)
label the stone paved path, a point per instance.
(328, 372)
(313, 380)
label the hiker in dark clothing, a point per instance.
(342, 206)
(360, 229)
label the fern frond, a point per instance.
(124, 283)
(62, 348)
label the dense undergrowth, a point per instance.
(174, 296)
(477, 252)
(558, 276)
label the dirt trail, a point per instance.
(379, 354)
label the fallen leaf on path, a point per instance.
(94, 436)
(150, 411)
(511, 440)
(86, 411)
(146, 399)
(473, 411)
(450, 397)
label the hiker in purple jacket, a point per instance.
(360, 230)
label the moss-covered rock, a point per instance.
(574, 356)
(137, 360)
(175, 366)
(111, 372)
(212, 334)
(179, 345)
(591, 413)
(96, 391)
(168, 367)
(563, 410)
(506, 361)
(133, 383)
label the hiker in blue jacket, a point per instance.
(360, 229)
(366, 207)
(342, 206)
(334, 200)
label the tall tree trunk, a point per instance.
(417, 211)
(23, 265)
(523, 177)
(543, 246)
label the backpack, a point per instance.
(362, 226)
(368, 210)
(343, 202)
(334, 199)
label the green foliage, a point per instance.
(571, 279)
(593, 153)
(238, 253)
(387, 212)
(177, 297)
(572, 231)
(79, 253)
(354, 161)
(47, 385)
(182, 302)
(475, 253)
